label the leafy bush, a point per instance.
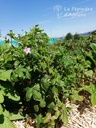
(38, 78)
(68, 36)
(76, 36)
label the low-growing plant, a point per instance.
(37, 78)
(92, 90)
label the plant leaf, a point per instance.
(91, 88)
(42, 103)
(16, 116)
(37, 95)
(93, 99)
(64, 116)
(36, 108)
(29, 93)
(89, 73)
(1, 110)
(1, 97)
(7, 123)
(5, 75)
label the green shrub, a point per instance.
(38, 78)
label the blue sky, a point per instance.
(56, 17)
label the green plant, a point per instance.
(76, 36)
(8, 99)
(37, 78)
(68, 36)
(92, 90)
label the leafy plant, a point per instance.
(68, 36)
(37, 78)
(91, 55)
(92, 90)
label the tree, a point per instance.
(76, 36)
(68, 36)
